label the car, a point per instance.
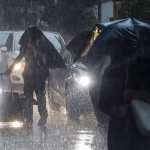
(10, 50)
(70, 87)
(62, 83)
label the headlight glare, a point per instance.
(84, 81)
(18, 66)
(17, 124)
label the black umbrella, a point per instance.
(82, 43)
(128, 36)
(42, 44)
(77, 42)
(126, 39)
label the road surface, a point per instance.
(60, 133)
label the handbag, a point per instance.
(141, 113)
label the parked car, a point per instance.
(62, 83)
(10, 50)
(69, 87)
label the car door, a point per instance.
(10, 55)
(5, 59)
(17, 71)
(58, 75)
(4, 56)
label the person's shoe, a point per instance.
(34, 102)
(42, 121)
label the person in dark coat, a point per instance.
(123, 133)
(40, 55)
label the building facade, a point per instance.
(106, 10)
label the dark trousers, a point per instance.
(37, 84)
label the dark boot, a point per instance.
(42, 110)
(42, 121)
(29, 113)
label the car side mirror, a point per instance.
(3, 49)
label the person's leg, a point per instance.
(28, 91)
(40, 93)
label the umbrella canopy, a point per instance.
(126, 41)
(43, 45)
(128, 37)
(81, 44)
(77, 43)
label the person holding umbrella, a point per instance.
(127, 42)
(40, 55)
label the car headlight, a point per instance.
(18, 66)
(17, 124)
(83, 80)
(1, 90)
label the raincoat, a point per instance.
(123, 133)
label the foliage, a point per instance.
(14, 14)
(68, 15)
(139, 9)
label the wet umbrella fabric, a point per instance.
(77, 42)
(82, 43)
(43, 45)
(128, 36)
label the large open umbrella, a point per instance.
(43, 45)
(128, 36)
(80, 45)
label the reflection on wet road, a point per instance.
(60, 133)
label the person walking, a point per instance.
(38, 53)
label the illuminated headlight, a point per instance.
(85, 80)
(18, 66)
(17, 124)
(1, 91)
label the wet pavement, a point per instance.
(60, 133)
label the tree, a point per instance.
(89, 3)
(15, 14)
(139, 9)
(68, 15)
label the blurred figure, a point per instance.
(123, 133)
(35, 74)
(39, 56)
(112, 103)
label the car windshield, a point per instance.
(3, 38)
(50, 36)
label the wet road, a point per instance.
(60, 133)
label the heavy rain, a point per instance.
(74, 75)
